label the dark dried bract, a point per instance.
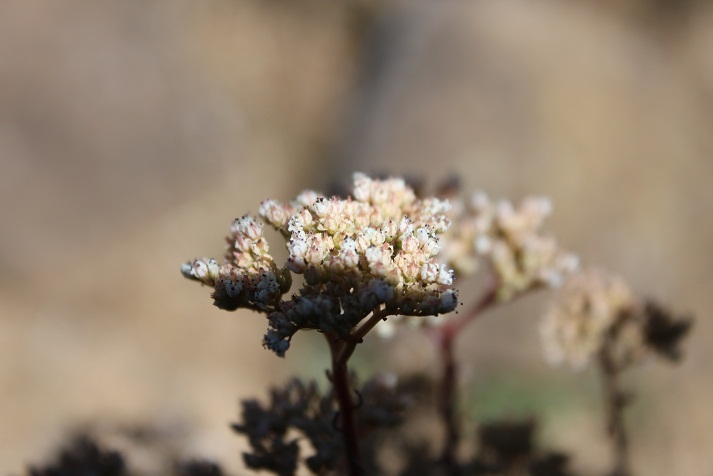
(506, 441)
(551, 464)
(296, 406)
(199, 468)
(509, 447)
(663, 331)
(84, 457)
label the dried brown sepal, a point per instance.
(664, 331)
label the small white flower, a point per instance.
(247, 226)
(405, 226)
(206, 270)
(423, 234)
(321, 207)
(307, 198)
(409, 244)
(429, 272)
(275, 214)
(362, 187)
(445, 275)
(297, 247)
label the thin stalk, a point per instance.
(616, 401)
(444, 338)
(358, 335)
(447, 400)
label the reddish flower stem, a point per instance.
(444, 337)
(447, 400)
(343, 395)
(357, 336)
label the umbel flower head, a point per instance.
(509, 239)
(372, 251)
(598, 312)
(594, 309)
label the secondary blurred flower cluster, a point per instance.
(501, 240)
(597, 311)
(375, 250)
(509, 240)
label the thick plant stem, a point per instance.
(341, 350)
(616, 401)
(345, 402)
(445, 338)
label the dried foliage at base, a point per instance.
(509, 447)
(83, 456)
(299, 407)
(502, 448)
(199, 468)
(299, 410)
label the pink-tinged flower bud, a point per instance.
(390, 229)
(409, 244)
(423, 234)
(429, 272)
(307, 198)
(276, 214)
(247, 226)
(409, 265)
(362, 187)
(205, 271)
(432, 246)
(297, 247)
(378, 256)
(321, 207)
(405, 226)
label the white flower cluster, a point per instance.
(509, 238)
(593, 309)
(249, 277)
(376, 248)
(383, 233)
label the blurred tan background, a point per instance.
(132, 133)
